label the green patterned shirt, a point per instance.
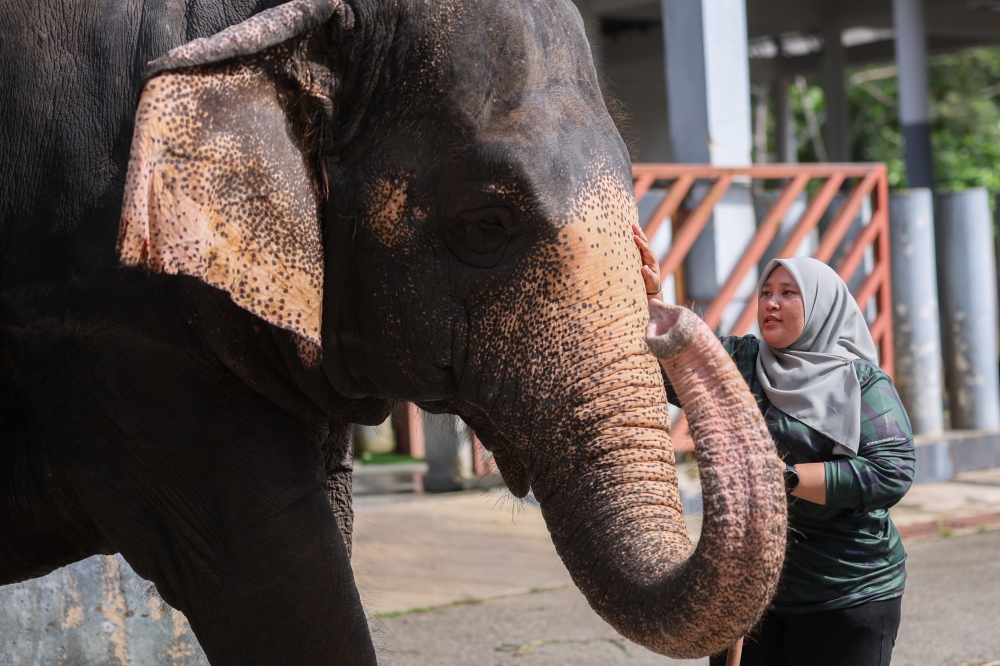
(846, 552)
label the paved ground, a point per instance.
(432, 550)
(485, 564)
(540, 629)
(472, 578)
(951, 609)
(951, 613)
(971, 494)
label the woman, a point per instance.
(848, 448)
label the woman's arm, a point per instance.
(812, 482)
(882, 472)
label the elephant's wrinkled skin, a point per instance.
(416, 200)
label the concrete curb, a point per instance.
(940, 457)
(945, 527)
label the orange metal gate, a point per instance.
(677, 180)
(870, 182)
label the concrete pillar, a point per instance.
(786, 142)
(838, 128)
(914, 107)
(708, 101)
(448, 445)
(760, 120)
(967, 284)
(915, 319)
(708, 80)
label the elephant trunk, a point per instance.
(617, 522)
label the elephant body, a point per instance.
(228, 231)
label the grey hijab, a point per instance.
(813, 379)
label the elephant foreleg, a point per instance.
(220, 498)
(339, 456)
(42, 524)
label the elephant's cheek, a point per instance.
(594, 296)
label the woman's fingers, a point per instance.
(637, 230)
(648, 258)
(642, 243)
(650, 266)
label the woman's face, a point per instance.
(781, 314)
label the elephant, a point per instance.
(229, 229)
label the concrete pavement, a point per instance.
(969, 503)
(551, 628)
(472, 578)
(419, 551)
(425, 551)
(950, 618)
(951, 609)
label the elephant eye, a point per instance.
(479, 237)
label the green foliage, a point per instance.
(371, 458)
(814, 97)
(965, 118)
(875, 129)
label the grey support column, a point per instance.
(760, 118)
(784, 122)
(708, 100)
(838, 128)
(968, 290)
(708, 80)
(448, 453)
(687, 85)
(914, 107)
(915, 318)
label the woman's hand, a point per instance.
(650, 266)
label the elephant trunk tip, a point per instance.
(671, 329)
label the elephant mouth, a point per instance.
(508, 461)
(510, 464)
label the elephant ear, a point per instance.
(219, 186)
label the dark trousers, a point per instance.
(859, 636)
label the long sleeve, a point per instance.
(882, 472)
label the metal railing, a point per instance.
(870, 182)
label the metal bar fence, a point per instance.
(870, 182)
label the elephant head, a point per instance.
(432, 199)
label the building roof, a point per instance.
(786, 36)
